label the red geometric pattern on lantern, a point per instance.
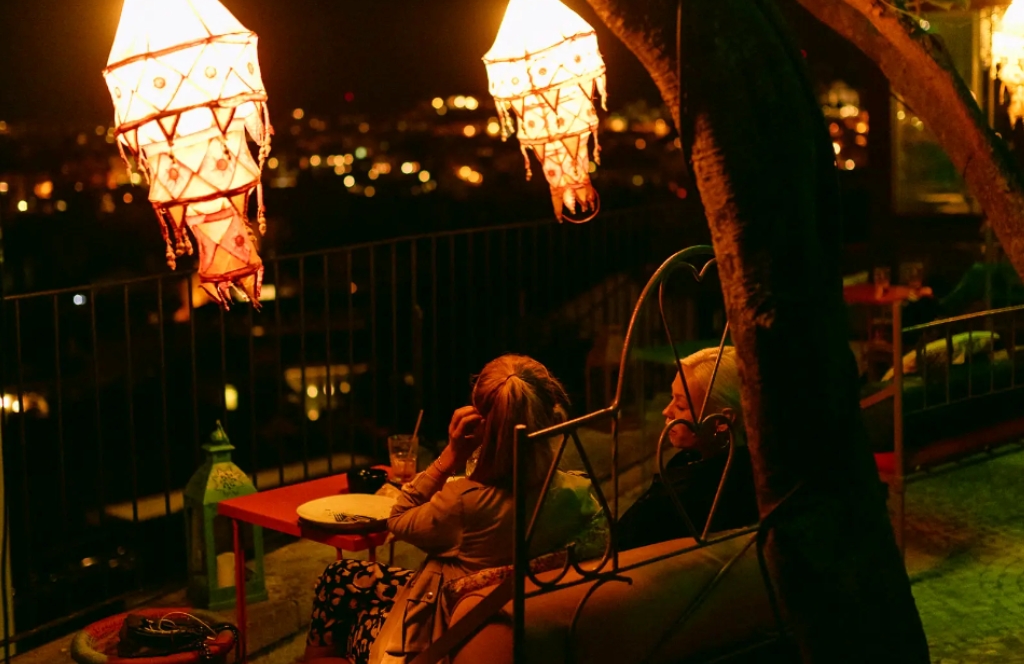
(227, 253)
(185, 81)
(545, 68)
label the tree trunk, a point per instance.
(764, 169)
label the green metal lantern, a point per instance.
(211, 579)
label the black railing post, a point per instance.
(302, 369)
(328, 381)
(520, 554)
(417, 331)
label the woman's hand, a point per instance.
(461, 441)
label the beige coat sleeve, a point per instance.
(428, 514)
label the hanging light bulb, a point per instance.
(185, 81)
(545, 66)
(1008, 55)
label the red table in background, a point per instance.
(275, 510)
(867, 294)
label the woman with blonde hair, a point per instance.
(695, 472)
(372, 613)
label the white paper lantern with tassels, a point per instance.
(546, 68)
(185, 81)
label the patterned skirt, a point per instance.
(353, 599)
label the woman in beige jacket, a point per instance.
(375, 614)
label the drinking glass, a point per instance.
(883, 279)
(403, 450)
(912, 274)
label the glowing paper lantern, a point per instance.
(1008, 54)
(185, 80)
(545, 66)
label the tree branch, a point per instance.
(647, 28)
(921, 70)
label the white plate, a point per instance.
(337, 512)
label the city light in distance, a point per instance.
(61, 206)
(410, 167)
(128, 198)
(364, 127)
(349, 181)
(360, 153)
(230, 397)
(640, 144)
(424, 176)
(373, 174)
(469, 131)
(472, 104)
(315, 161)
(369, 192)
(467, 174)
(312, 391)
(43, 190)
(4, 187)
(298, 114)
(493, 127)
(850, 164)
(273, 163)
(638, 180)
(22, 206)
(438, 103)
(617, 124)
(79, 300)
(459, 102)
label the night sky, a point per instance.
(389, 53)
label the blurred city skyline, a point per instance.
(315, 54)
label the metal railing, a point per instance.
(110, 389)
(971, 367)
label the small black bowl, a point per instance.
(366, 480)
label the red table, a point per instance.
(866, 294)
(275, 510)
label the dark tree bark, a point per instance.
(764, 169)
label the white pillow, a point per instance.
(964, 344)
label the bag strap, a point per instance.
(470, 624)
